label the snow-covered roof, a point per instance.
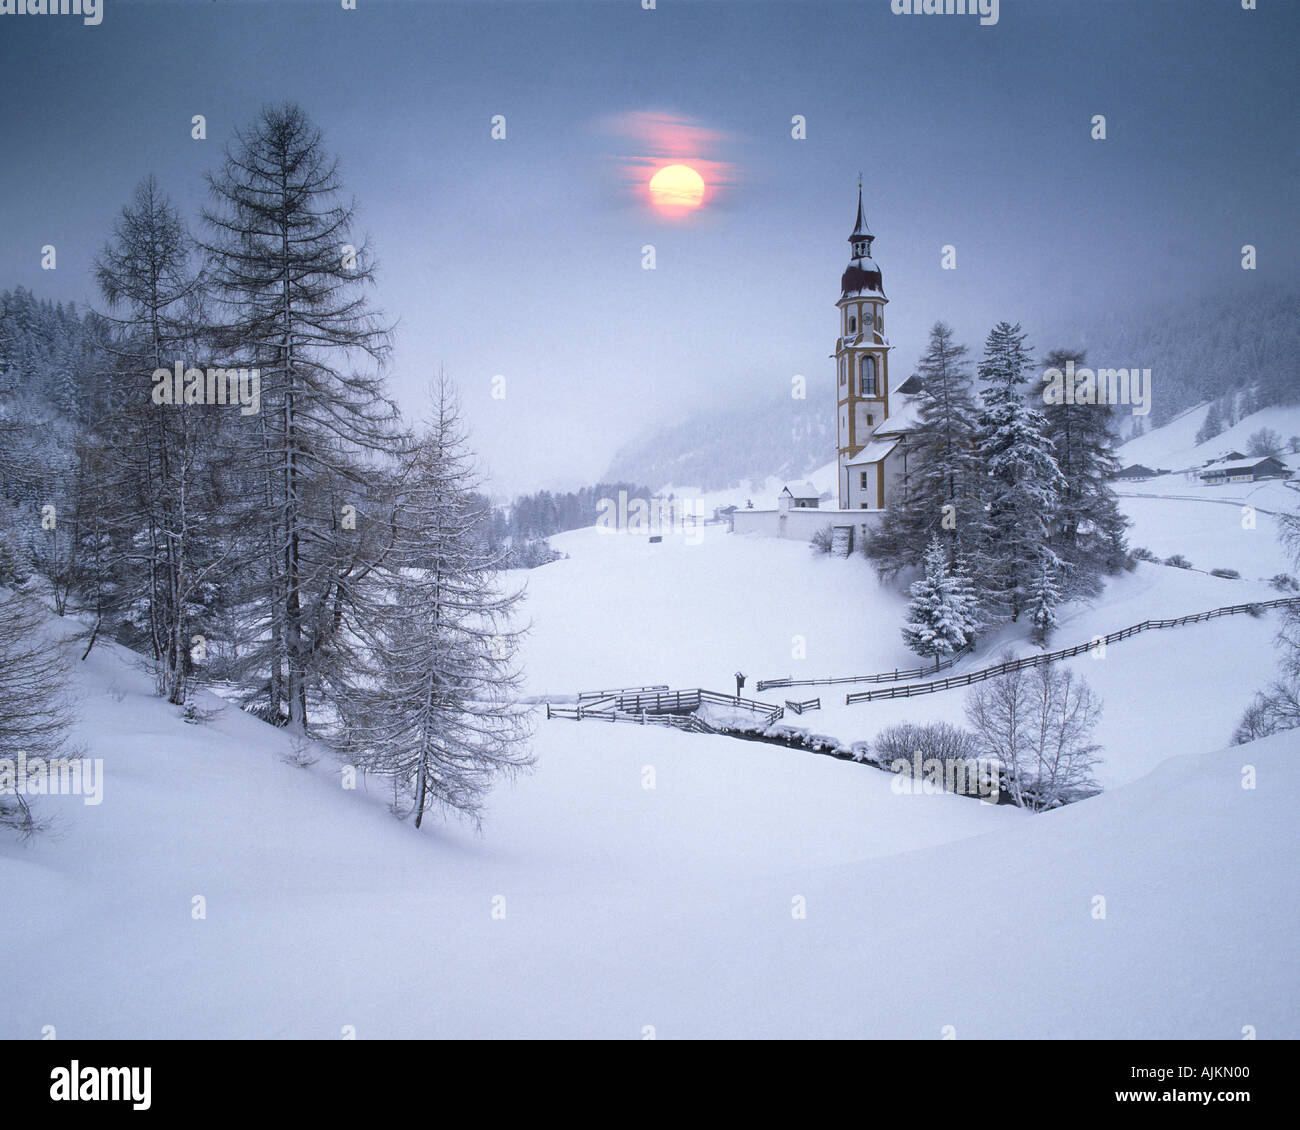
(904, 414)
(803, 490)
(875, 336)
(860, 277)
(874, 452)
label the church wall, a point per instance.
(801, 525)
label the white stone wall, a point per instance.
(801, 525)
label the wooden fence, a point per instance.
(583, 696)
(881, 677)
(654, 704)
(911, 689)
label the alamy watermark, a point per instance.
(91, 11)
(54, 776)
(209, 386)
(924, 776)
(987, 10)
(653, 516)
(1104, 386)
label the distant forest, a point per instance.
(523, 527)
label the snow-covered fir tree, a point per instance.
(940, 492)
(1044, 598)
(1088, 528)
(1022, 484)
(939, 617)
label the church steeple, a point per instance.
(862, 376)
(861, 237)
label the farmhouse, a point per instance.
(1268, 468)
(1136, 473)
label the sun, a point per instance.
(676, 189)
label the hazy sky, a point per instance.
(523, 257)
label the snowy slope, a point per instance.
(622, 612)
(628, 907)
(1174, 447)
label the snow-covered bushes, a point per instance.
(1141, 553)
(529, 553)
(1178, 561)
(1284, 582)
(821, 541)
(939, 740)
(1271, 712)
(1226, 574)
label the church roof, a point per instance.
(860, 277)
(860, 229)
(877, 448)
(802, 491)
(904, 414)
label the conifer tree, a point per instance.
(1043, 602)
(1088, 527)
(1022, 482)
(939, 620)
(940, 492)
(436, 710)
(290, 275)
(153, 527)
(35, 706)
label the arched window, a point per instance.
(853, 324)
(869, 375)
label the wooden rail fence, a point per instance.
(881, 677)
(656, 705)
(911, 689)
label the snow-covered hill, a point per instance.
(1174, 447)
(628, 908)
(752, 891)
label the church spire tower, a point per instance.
(862, 371)
(861, 237)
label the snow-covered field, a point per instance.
(627, 907)
(752, 891)
(623, 612)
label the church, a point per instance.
(872, 415)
